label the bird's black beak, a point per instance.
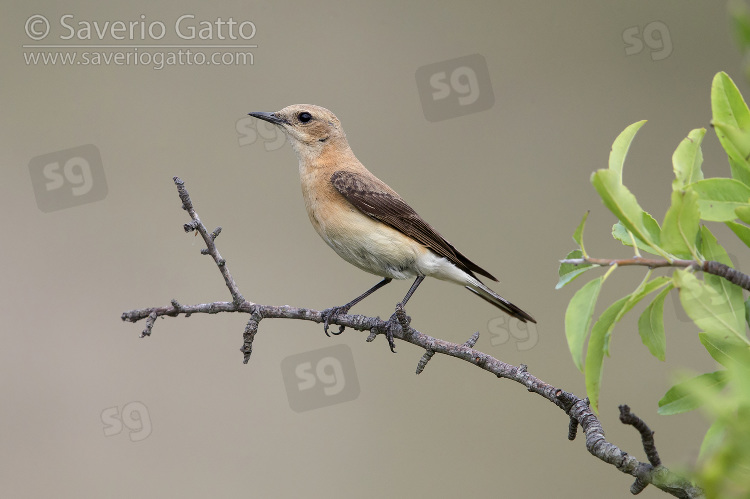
(269, 117)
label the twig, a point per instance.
(577, 409)
(573, 425)
(249, 335)
(208, 238)
(647, 437)
(710, 267)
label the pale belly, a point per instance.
(370, 245)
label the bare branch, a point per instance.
(655, 473)
(647, 436)
(710, 267)
(732, 275)
(424, 360)
(573, 425)
(249, 335)
(208, 238)
(577, 409)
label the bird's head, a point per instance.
(311, 129)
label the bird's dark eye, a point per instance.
(304, 116)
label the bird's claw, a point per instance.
(403, 319)
(389, 335)
(399, 317)
(329, 314)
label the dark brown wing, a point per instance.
(376, 200)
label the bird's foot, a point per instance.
(399, 317)
(329, 314)
(403, 320)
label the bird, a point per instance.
(365, 221)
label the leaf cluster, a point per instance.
(714, 304)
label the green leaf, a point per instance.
(682, 397)
(620, 233)
(705, 306)
(743, 213)
(730, 294)
(680, 228)
(722, 347)
(622, 203)
(736, 143)
(727, 103)
(601, 332)
(621, 146)
(687, 160)
(729, 108)
(747, 311)
(712, 438)
(596, 348)
(645, 288)
(619, 199)
(568, 271)
(740, 170)
(712, 250)
(741, 231)
(578, 318)
(739, 364)
(651, 226)
(740, 15)
(651, 326)
(578, 234)
(572, 275)
(719, 197)
(739, 138)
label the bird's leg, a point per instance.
(400, 315)
(329, 313)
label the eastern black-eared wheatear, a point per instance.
(364, 220)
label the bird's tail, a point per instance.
(487, 294)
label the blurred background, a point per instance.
(494, 112)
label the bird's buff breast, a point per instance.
(360, 240)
